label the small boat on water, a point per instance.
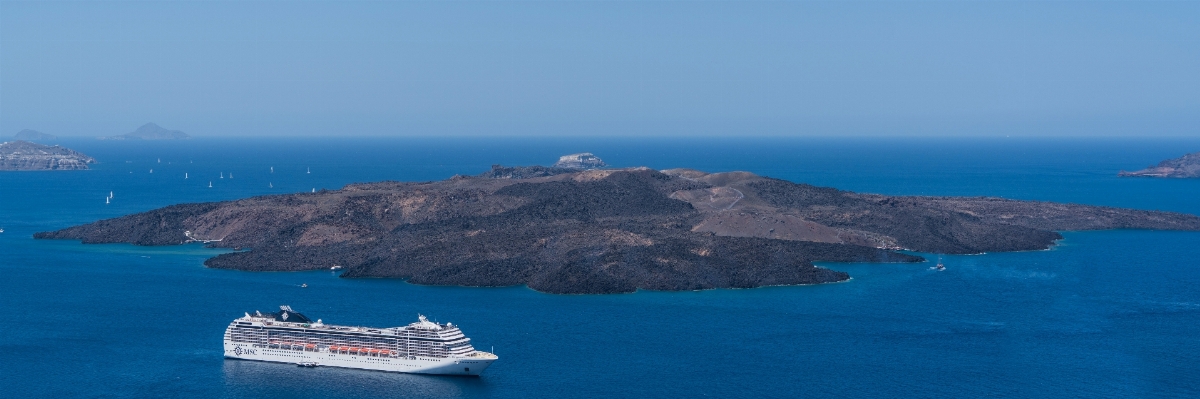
(305, 285)
(336, 267)
(1, 230)
(939, 267)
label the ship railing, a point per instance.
(483, 355)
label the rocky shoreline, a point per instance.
(564, 230)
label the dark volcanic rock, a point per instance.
(150, 131)
(33, 135)
(523, 172)
(23, 155)
(602, 231)
(1187, 166)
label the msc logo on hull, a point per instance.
(239, 351)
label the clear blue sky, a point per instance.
(602, 68)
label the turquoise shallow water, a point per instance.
(1104, 314)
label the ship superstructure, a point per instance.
(290, 337)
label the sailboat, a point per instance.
(269, 185)
(210, 184)
(230, 175)
(940, 266)
(309, 170)
(110, 194)
(184, 175)
(151, 170)
(106, 199)
(314, 189)
(272, 169)
(222, 175)
(160, 160)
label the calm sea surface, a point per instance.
(1105, 314)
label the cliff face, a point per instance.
(23, 155)
(150, 131)
(1187, 166)
(601, 231)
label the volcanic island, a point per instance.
(1187, 166)
(576, 228)
(24, 155)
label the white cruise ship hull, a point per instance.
(417, 365)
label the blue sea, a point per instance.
(1105, 314)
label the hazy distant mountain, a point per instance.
(150, 131)
(33, 135)
(1185, 167)
(23, 155)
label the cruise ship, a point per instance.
(286, 336)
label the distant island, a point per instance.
(1187, 166)
(33, 135)
(573, 230)
(583, 160)
(23, 155)
(150, 131)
